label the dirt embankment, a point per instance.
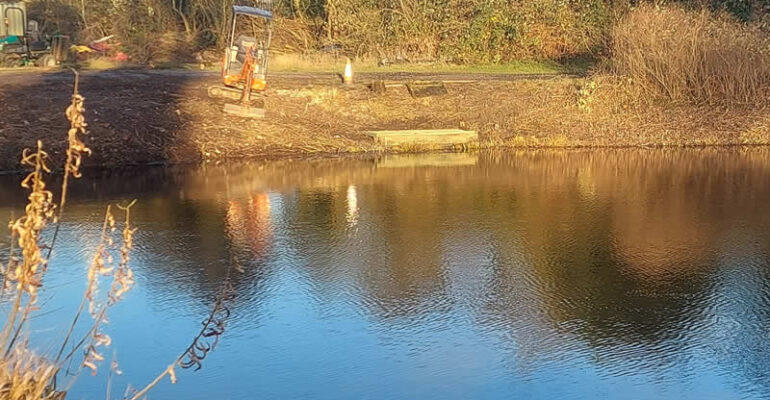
(145, 117)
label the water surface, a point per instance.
(637, 274)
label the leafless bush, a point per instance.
(694, 56)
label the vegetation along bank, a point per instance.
(669, 76)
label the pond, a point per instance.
(638, 274)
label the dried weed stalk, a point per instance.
(122, 281)
(25, 270)
(206, 340)
(75, 148)
(102, 266)
(24, 374)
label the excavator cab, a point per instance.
(244, 67)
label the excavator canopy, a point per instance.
(252, 11)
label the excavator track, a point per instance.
(222, 92)
(225, 92)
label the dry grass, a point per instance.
(693, 56)
(310, 63)
(24, 376)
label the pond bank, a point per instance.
(139, 117)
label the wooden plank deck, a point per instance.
(423, 136)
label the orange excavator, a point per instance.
(244, 67)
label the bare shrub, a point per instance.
(297, 36)
(695, 56)
(147, 29)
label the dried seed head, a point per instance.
(172, 374)
(26, 272)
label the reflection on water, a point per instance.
(572, 274)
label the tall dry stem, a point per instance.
(102, 265)
(75, 150)
(205, 341)
(25, 271)
(24, 374)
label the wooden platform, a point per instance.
(425, 136)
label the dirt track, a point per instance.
(141, 117)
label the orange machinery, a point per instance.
(244, 67)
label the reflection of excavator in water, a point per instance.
(249, 226)
(244, 66)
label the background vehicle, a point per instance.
(21, 42)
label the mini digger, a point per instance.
(244, 66)
(22, 43)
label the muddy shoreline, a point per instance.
(142, 117)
